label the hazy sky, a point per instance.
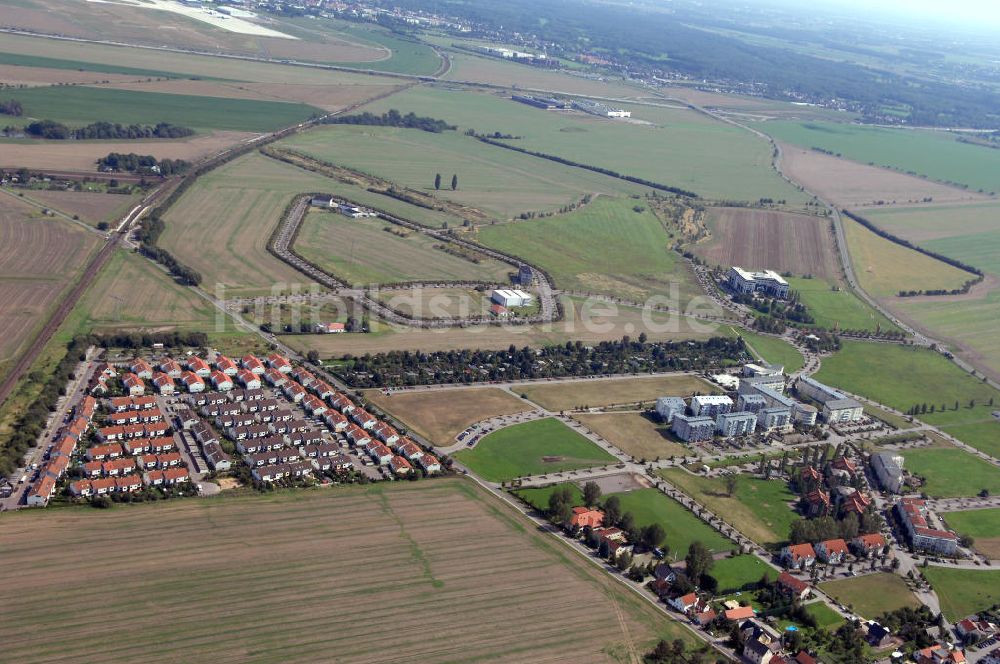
(975, 12)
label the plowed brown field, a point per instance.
(92, 206)
(429, 572)
(39, 257)
(761, 239)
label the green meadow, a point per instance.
(933, 154)
(837, 309)
(671, 146)
(78, 105)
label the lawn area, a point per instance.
(901, 376)
(221, 225)
(633, 433)
(838, 309)
(79, 105)
(682, 527)
(538, 497)
(871, 595)
(964, 591)
(612, 391)
(982, 525)
(885, 268)
(440, 415)
(677, 147)
(934, 154)
(327, 584)
(826, 618)
(606, 247)
(951, 472)
(359, 251)
(760, 509)
(408, 55)
(739, 572)
(773, 350)
(132, 292)
(500, 182)
(532, 448)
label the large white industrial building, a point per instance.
(511, 298)
(768, 282)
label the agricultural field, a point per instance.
(499, 182)
(932, 154)
(78, 105)
(650, 506)
(83, 155)
(613, 391)
(669, 145)
(40, 257)
(191, 29)
(760, 509)
(150, 63)
(532, 448)
(437, 302)
(885, 268)
(837, 308)
(91, 207)
(773, 350)
(982, 525)
(435, 540)
(951, 472)
(963, 591)
(764, 239)
(853, 185)
(440, 415)
(361, 251)
(133, 293)
(872, 595)
(739, 572)
(635, 434)
(606, 247)
(21, 76)
(221, 225)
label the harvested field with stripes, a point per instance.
(39, 258)
(358, 574)
(763, 239)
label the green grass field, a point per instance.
(837, 309)
(760, 509)
(900, 376)
(774, 350)
(409, 55)
(962, 591)
(951, 472)
(739, 572)
(606, 247)
(982, 525)
(539, 497)
(677, 147)
(360, 252)
(871, 595)
(499, 182)
(933, 154)
(79, 105)
(682, 527)
(532, 448)
(21, 60)
(885, 268)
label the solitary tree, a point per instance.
(437, 181)
(612, 510)
(732, 480)
(591, 493)
(454, 182)
(699, 561)
(652, 535)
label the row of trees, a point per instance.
(393, 118)
(454, 182)
(148, 235)
(570, 359)
(923, 408)
(50, 129)
(136, 163)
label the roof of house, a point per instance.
(834, 546)
(739, 613)
(792, 583)
(797, 551)
(870, 541)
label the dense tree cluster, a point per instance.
(51, 129)
(393, 118)
(11, 107)
(136, 163)
(148, 234)
(571, 359)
